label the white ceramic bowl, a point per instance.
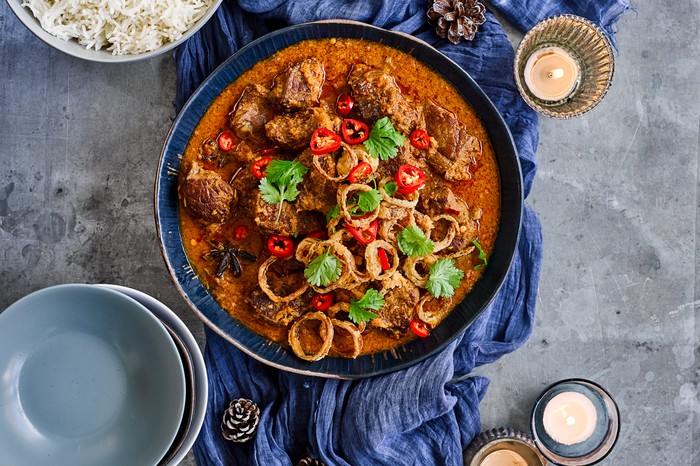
(72, 47)
(199, 394)
(89, 376)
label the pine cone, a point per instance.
(309, 461)
(240, 420)
(454, 19)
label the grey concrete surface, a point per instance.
(616, 190)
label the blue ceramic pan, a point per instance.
(202, 303)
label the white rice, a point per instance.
(121, 26)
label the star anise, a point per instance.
(229, 256)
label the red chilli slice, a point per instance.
(225, 141)
(420, 139)
(419, 328)
(360, 172)
(383, 259)
(344, 104)
(280, 246)
(322, 301)
(324, 141)
(409, 179)
(259, 167)
(240, 233)
(354, 131)
(365, 235)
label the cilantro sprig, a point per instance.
(443, 278)
(333, 213)
(383, 140)
(280, 182)
(323, 270)
(482, 254)
(360, 310)
(366, 201)
(413, 242)
(391, 187)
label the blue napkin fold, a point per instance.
(426, 414)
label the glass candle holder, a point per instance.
(503, 446)
(575, 422)
(564, 66)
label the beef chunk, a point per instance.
(299, 86)
(206, 195)
(316, 192)
(456, 148)
(251, 112)
(439, 200)
(277, 313)
(294, 130)
(291, 221)
(245, 184)
(399, 303)
(377, 95)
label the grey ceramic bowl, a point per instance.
(90, 377)
(72, 47)
(197, 392)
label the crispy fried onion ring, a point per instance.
(411, 199)
(409, 268)
(355, 334)
(343, 194)
(432, 318)
(363, 155)
(451, 232)
(374, 266)
(462, 252)
(392, 212)
(310, 248)
(295, 340)
(346, 161)
(341, 236)
(422, 221)
(262, 280)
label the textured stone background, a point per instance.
(617, 192)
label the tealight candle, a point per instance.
(503, 458)
(575, 422)
(551, 73)
(569, 418)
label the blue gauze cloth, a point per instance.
(426, 414)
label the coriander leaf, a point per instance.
(358, 311)
(289, 192)
(269, 192)
(367, 201)
(323, 270)
(443, 278)
(383, 140)
(333, 213)
(285, 172)
(482, 254)
(412, 242)
(391, 187)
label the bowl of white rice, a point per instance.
(114, 30)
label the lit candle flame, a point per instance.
(556, 73)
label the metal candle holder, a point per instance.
(588, 45)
